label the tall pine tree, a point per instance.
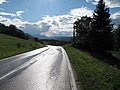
(100, 36)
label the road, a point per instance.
(47, 68)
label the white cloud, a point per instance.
(109, 3)
(17, 14)
(116, 18)
(60, 25)
(16, 21)
(116, 15)
(2, 1)
(112, 3)
(81, 12)
(7, 14)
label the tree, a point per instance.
(75, 32)
(36, 39)
(3, 28)
(117, 38)
(12, 30)
(100, 36)
(81, 28)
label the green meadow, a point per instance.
(10, 46)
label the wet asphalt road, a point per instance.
(41, 69)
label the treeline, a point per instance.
(12, 30)
(53, 42)
(96, 33)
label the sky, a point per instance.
(51, 18)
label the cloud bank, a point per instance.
(2, 1)
(109, 3)
(61, 25)
(51, 26)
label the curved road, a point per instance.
(42, 69)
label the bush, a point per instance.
(18, 45)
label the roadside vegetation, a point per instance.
(10, 46)
(98, 36)
(92, 73)
(95, 51)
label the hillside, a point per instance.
(91, 72)
(11, 45)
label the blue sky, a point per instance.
(34, 10)
(51, 17)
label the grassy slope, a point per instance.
(92, 73)
(11, 46)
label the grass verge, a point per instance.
(10, 46)
(92, 73)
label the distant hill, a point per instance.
(53, 38)
(39, 36)
(62, 38)
(12, 30)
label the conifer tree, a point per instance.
(100, 36)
